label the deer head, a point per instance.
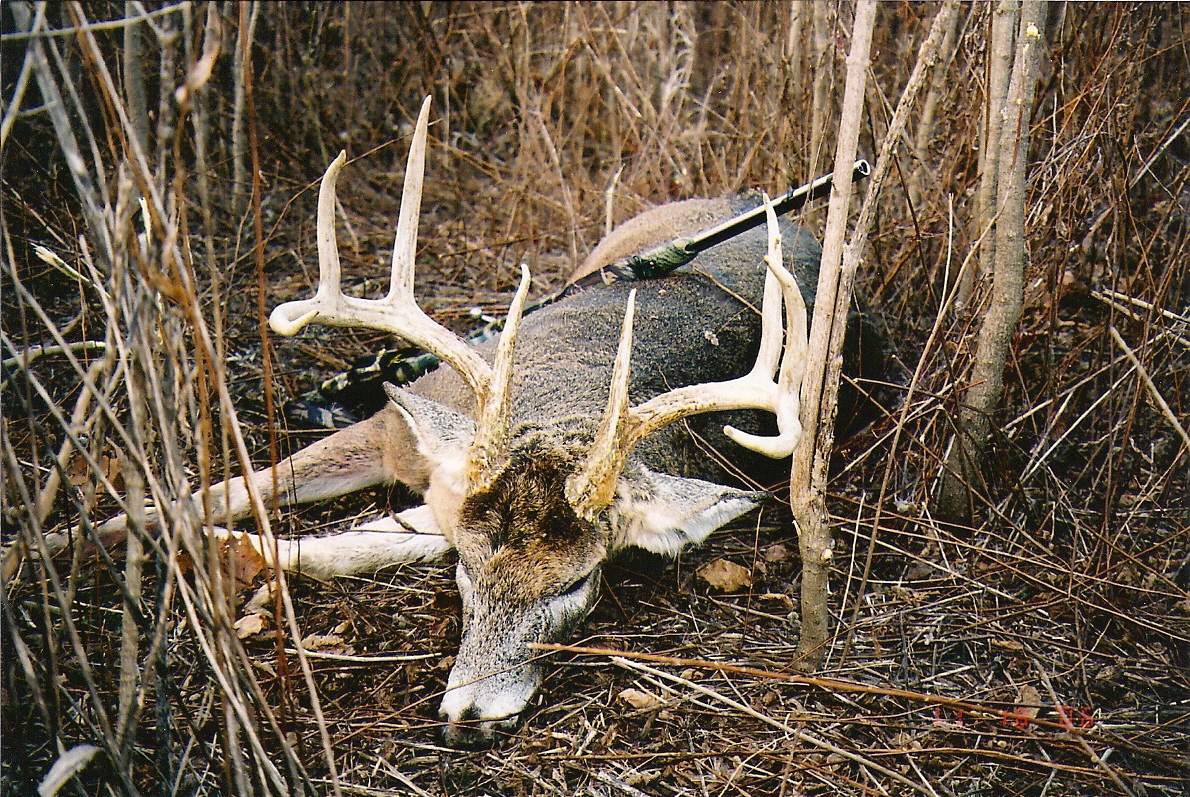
(534, 512)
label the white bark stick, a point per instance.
(806, 493)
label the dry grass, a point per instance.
(1073, 589)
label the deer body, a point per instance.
(700, 324)
(528, 565)
(541, 454)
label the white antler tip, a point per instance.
(282, 324)
(331, 175)
(522, 291)
(778, 447)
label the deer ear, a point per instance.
(663, 514)
(443, 436)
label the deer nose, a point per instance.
(471, 732)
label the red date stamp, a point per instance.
(1022, 717)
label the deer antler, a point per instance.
(593, 487)
(398, 313)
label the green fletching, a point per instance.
(659, 262)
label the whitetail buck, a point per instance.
(542, 454)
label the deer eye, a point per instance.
(578, 584)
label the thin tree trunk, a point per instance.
(927, 54)
(134, 483)
(134, 78)
(806, 492)
(822, 61)
(1000, 50)
(795, 46)
(239, 134)
(89, 194)
(129, 631)
(929, 109)
(167, 44)
(965, 463)
(821, 383)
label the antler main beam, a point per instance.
(398, 313)
(773, 384)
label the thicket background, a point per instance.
(1069, 587)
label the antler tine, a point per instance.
(289, 318)
(779, 284)
(593, 487)
(408, 320)
(399, 314)
(771, 329)
(405, 242)
(491, 431)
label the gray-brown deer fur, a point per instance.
(524, 514)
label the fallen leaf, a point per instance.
(243, 556)
(185, 564)
(781, 597)
(250, 625)
(234, 551)
(322, 641)
(776, 553)
(725, 575)
(638, 699)
(261, 601)
(78, 472)
(1028, 701)
(111, 469)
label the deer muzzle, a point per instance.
(493, 679)
(496, 674)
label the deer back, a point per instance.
(699, 324)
